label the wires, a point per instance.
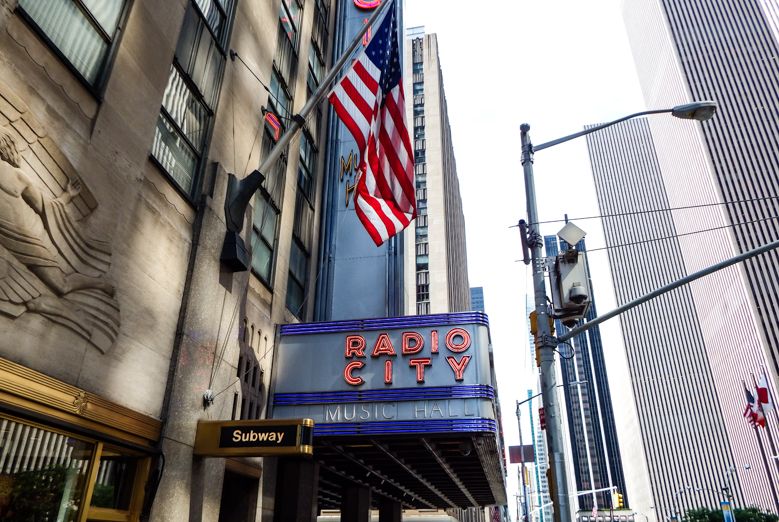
(641, 212)
(681, 235)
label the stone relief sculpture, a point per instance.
(47, 264)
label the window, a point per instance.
(286, 59)
(47, 474)
(420, 169)
(422, 249)
(419, 88)
(423, 308)
(280, 100)
(422, 220)
(190, 98)
(83, 32)
(296, 286)
(264, 220)
(306, 167)
(419, 121)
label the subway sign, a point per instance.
(374, 376)
(254, 438)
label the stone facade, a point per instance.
(140, 311)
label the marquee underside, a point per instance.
(421, 472)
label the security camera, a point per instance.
(577, 293)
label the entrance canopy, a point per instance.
(405, 406)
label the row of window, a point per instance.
(84, 35)
(420, 172)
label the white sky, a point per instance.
(557, 65)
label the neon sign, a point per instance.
(367, 4)
(457, 341)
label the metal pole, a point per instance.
(240, 192)
(522, 463)
(545, 342)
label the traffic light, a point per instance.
(620, 503)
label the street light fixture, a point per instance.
(544, 341)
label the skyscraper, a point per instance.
(436, 268)
(722, 50)
(477, 298)
(687, 350)
(597, 462)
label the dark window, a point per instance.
(296, 287)
(83, 32)
(264, 220)
(191, 96)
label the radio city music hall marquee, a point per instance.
(379, 374)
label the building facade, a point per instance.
(436, 268)
(596, 459)
(122, 123)
(720, 51)
(688, 355)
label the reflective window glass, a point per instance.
(43, 474)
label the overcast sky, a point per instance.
(556, 65)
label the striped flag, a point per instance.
(752, 411)
(369, 100)
(764, 394)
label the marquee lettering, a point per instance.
(458, 366)
(355, 345)
(354, 381)
(457, 341)
(383, 346)
(453, 344)
(418, 342)
(420, 364)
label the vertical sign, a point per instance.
(727, 512)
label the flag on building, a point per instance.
(752, 410)
(369, 100)
(763, 394)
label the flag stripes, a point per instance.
(369, 100)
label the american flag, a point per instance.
(369, 100)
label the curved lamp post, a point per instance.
(700, 111)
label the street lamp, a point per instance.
(544, 341)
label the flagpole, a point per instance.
(767, 427)
(240, 192)
(762, 453)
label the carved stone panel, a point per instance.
(48, 263)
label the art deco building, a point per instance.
(687, 351)
(119, 326)
(436, 268)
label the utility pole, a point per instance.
(545, 343)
